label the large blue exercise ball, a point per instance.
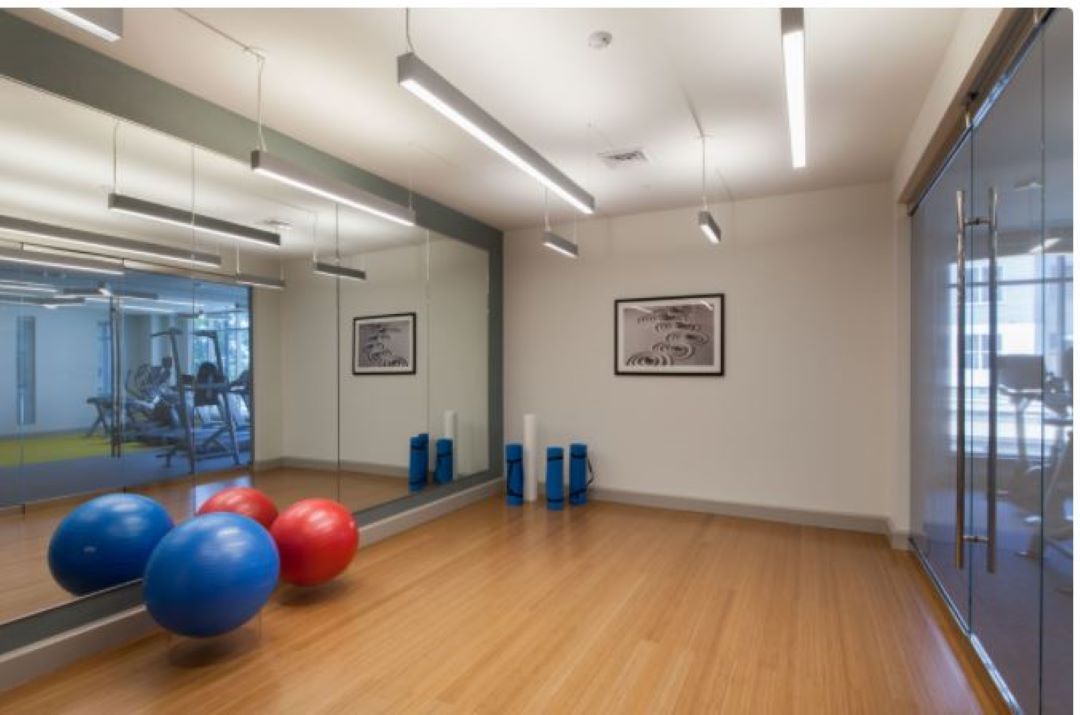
(106, 541)
(210, 575)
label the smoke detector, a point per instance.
(624, 158)
(599, 39)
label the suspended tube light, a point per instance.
(793, 43)
(97, 240)
(189, 219)
(104, 22)
(250, 279)
(274, 167)
(334, 270)
(560, 245)
(430, 87)
(37, 256)
(708, 226)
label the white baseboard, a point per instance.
(803, 517)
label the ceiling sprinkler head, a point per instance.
(599, 39)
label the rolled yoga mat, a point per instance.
(554, 480)
(418, 462)
(515, 474)
(449, 421)
(579, 473)
(444, 461)
(532, 471)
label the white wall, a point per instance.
(66, 365)
(378, 413)
(804, 418)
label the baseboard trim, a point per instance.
(385, 528)
(331, 465)
(49, 655)
(802, 517)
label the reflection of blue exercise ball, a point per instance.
(106, 541)
(210, 575)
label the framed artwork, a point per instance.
(678, 335)
(384, 345)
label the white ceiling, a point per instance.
(330, 81)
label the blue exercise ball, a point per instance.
(210, 575)
(106, 541)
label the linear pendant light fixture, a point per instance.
(793, 41)
(97, 240)
(29, 256)
(250, 279)
(560, 245)
(105, 22)
(445, 98)
(130, 205)
(708, 226)
(274, 167)
(332, 269)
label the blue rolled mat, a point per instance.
(554, 478)
(579, 473)
(444, 460)
(418, 462)
(515, 474)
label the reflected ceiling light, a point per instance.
(20, 287)
(708, 226)
(286, 172)
(793, 41)
(33, 256)
(105, 22)
(54, 303)
(332, 269)
(445, 98)
(250, 279)
(560, 245)
(189, 219)
(97, 240)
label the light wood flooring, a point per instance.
(601, 609)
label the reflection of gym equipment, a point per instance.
(208, 427)
(147, 406)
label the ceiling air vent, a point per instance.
(624, 158)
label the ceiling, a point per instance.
(330, 81)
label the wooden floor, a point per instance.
(28, 586)
(605, 609)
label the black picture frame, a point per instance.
(716, 334)
(357, 352)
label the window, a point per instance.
(25, 379)
(233, 331)
(977, 349)
(104, 359)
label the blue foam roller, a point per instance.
(418, 462)
(579, 473)
(515, 474)
(444, 460)
(554, 478)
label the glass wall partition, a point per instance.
(992, 400)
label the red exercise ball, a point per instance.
(316, 539)
(244, 501)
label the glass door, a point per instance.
(939, 421)
(1007, 376)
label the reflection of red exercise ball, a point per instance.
(244, 501)
(316, 539)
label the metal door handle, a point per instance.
(991, 470)
(961, 280)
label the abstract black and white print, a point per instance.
(670, 336)
(384, 344)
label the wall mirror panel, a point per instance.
(175, 379)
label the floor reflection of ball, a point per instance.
(245, 501)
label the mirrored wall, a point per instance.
(349, 362)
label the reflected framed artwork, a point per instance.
(384, 344)
(670, 336)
